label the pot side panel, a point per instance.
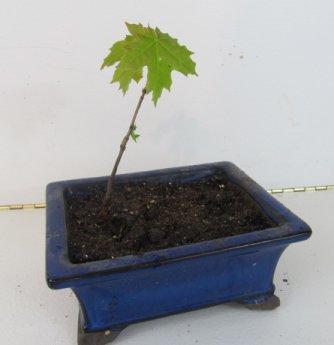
(178, 286)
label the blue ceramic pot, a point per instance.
(118, 292)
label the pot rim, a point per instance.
(62, 273)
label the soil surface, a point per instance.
(146, 216)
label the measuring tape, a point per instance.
(271, 191)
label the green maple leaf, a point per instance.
(134, 135)
(149, 47)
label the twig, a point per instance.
(108, 195)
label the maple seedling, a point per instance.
(161, 55)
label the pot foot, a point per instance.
(95, 338)
(262, 302)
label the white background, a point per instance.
(269, 111)
(263, 98)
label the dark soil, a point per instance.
(146, 216)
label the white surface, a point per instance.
(31, 314)
(271, 111)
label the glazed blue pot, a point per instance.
(117, 292)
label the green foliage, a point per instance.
(133, 134)
(149, 47)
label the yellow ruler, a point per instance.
(271, 191)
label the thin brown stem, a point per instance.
(108, 195)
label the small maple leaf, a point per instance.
(151, 48)
(133, 134)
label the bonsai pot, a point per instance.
(115, 293)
